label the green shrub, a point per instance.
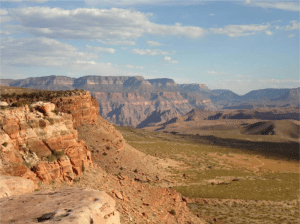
(104, 153)
(135, 171)
(173, 212)
(5, 144)
(51, 158)
(19, 104)
(55, 111)
(58, 154)
(83, 168)
(28, 165)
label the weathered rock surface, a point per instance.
(15, 186)
(41, 146)
(73, 205)
(83, 108)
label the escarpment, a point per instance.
(39, 142)
(82, 107)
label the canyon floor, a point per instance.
(226, 175)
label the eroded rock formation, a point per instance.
(83, 108)
(39, 144)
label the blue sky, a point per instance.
(236, 45)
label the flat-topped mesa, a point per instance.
(111, 83)
(162, 82)
(39, 144)
(46, 82)
(194, 87)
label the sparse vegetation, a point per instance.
(173, 212)
(5, 144)
(22, 96)
(55, 111)
(55, 155)
(28, 165)
(207, 161)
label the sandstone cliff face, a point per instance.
(83, 108)
(38, 144)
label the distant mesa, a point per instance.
(135, 101)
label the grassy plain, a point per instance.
(241, 169)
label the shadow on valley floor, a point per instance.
(279, 150)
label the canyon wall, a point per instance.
(40, 143)
(125, 100)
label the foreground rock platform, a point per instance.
(71, 205)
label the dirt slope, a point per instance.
(285, 128)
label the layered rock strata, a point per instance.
(83, 108)
(39, 144)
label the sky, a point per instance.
(235, 45)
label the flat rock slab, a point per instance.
(10, 186)
(72, 205)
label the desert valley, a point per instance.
(159, 153)
(149, 112)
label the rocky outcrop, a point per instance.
(39, 144)
(82, 107)
(15, 186)
(73, 205)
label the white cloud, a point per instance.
(291, 36)
(39, 52)
(154, 43)
(3, 12)
(212, 14)
(95, 24)
(4, 32)
(268, 32)
(85, 62)
(295, 25)
(169, 59)
(118, 42)
(134, 67)
(151, 52)
(5, 19)
(17, 54)
(211, 72)
(142, 2)
(283, 5)
(240, 30)
(102, 49)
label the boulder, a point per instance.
(15, 186)
(72, 205)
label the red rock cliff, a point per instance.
(83, 107)
(39, 144)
